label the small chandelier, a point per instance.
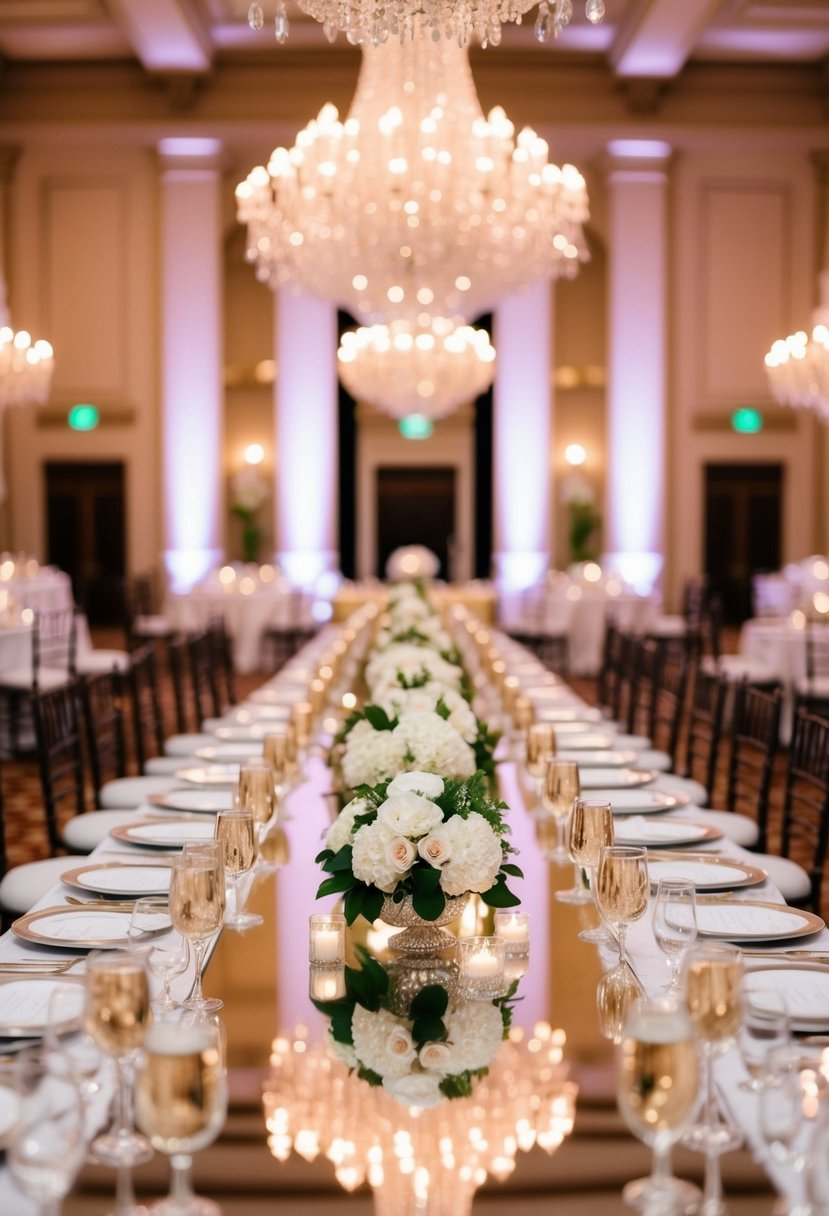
(461, 21)
(429, 370)
(798, 366)
(416, 204)
(25, 367)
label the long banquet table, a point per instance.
(263, 976)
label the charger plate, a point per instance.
(644, 802)
(164, 833)
(195, 801)
(230, 753)
(662, 833)
(78, 927)
(706, 871)
(607, 780)
(599, 758)
(753, 920)
(804, 986)
(126, 878)
(216, 775)
(24, 1003)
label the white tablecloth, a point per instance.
(245, 616)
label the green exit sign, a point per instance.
(747, 420)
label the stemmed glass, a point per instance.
(168, 956)
(560, 790)
(47, 1145)
(277, 752)
(622, 889)
(675, 923)
(197, 907)
(765, 1026)
(255, 793)
(713, 976)
(181, 1104)
(541, 748)
(68, 1048)
(591, 829)
(657, 1090)
(116, 1017)
(236, 832)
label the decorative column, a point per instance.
(306, 436)
(192, 391)
(820, 164)
(9, 156)
(521, 442)
(637, 328)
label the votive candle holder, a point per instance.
(481, 967)
(326, 943)
(513, 928)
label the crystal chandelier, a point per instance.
(413, 1159)
(459, 20)
(416, 205)
(430, 370)
(25, 366)
(798, 366)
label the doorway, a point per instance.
(415, 506)
(743, 513)
(85, 519)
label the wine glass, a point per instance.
(765, 1025)
(560, 790)
(255, 793)
(591, 828)
(713, 976)
(276, 752)
(617, 992)
(116, 1017)
(181, 1104)
(541, 748)
(675, 922)
(622, 889)
(168, 956)
(68, 1048)
(236, 832)
(197, 907)
(657, 1093)
(46, 1145)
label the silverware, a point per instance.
(798, 955)
(38, 966)
(114, 905)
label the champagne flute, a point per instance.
(675, 922)
(46, 1145)
(560, 790)
(617, 991)
(236, 832)
(622, 889)
(713, 976)
(276, 752)
(68, 1048)
(197, 907)
(181, 1104)
(765, 1026)
(168, 956)
(657, 1091)
(116, 1018)
(591, 828)
(255, 793)
(541, 748)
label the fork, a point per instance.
(42, 966)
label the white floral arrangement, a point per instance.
(410, 665)
(435, 1051)
(377, 748)
(422, 837)
(426, 631)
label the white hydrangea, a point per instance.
(382, 1042)
(399, 700)
(407, 813)
(410, 660)
(340, 831)
(475, 854)
(475, 1031)
(341, 1051)
(416, 1089)
(427, 784)
(370, 860)
(432, 744)
(370, 756)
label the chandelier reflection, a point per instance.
(798, 366)
(25, 366)
(428, 370)
(416, 204)
(459, 20)
(419, 1160)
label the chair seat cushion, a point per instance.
(153, 625)
(669, 783)
(21, 678)
(740, 828)
(791, 880)
(186, 745)
(85, 832)
(817, 687)
(126, 792)
(735, 667)
(168, 766)
(649, 757)
(23, 886)
(95, 662)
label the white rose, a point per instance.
(340, 831)
(400, 853)
(476, 855)
(417, 1089)
(399, 1045)
(435, 848)
(369, 859)
(435, 1057)
(375, 1036)
(427, 784)
(409, 814)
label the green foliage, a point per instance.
(584, 522)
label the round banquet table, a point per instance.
(45, 591)
(245, 616)
(781, 645)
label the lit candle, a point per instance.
(327, 983)
(513, 928)
(483, 965)
(327, 938)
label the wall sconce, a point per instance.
(253, 454)
(575, 454)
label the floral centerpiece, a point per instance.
(421, 1048)
(249, 489)
(420, 839)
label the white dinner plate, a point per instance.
(608, 780)
(644, 802)
(569, 713)
(248, 714)
(279, 696)
(598, 758)
(24, 1002)
(751, 920)
(164, 833)
(661, 833)
(230, 753)
(121, 878)
(9, 1106)
(804, 987)
(242, 734)
(210, 775)
(581, 740)
(199, 801)
(704, 870)
(77, 927)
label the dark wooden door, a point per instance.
(415, 506)
(86, 533)
(742, 530)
